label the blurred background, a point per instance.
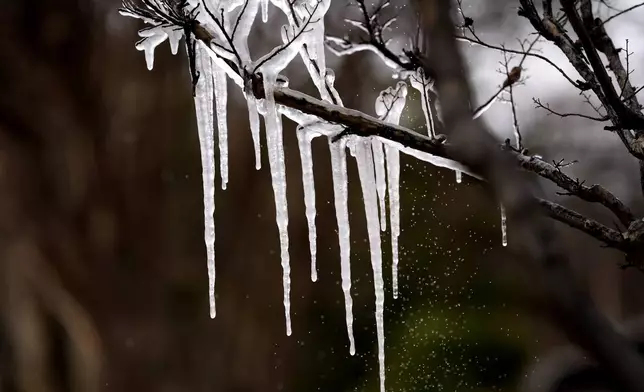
(102, 261)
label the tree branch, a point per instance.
(552, 31)
(593, 193)
(610, 237)
(573, 310)
(627, 119)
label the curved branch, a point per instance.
(610, 237)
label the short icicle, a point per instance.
(504, 227)
(304, 137)
(364, 159)
(459, 176)
(264, 11)
(221, 102)
(205, 126)
(278, 175)
(253, 120)
(340, 193)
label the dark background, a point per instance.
(102, 262)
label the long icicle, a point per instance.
(364, 159)
(304, 137)
(278, 174)
(393, 182)
(340, 193)
(205, 126)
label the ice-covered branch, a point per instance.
(216, 37)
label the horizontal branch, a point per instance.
(361, 124)
(610, 237)
(593, 193)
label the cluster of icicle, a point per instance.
(377, 159)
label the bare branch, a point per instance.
(547, 108)
(592, 194)
(610, 237)
(574, 311)
(622, 12)
(475, 41)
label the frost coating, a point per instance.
(304, 138)
(364, 158)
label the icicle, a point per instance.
(389, 107)
(221, 102)
(459, 176)
(340, 193)
(246, 17)
(270, 65)
(393, 177)
(364, 160)
(204, 111)
(151, 38)
(381, 180)
(264, 11)
(304, 138)
(253, 119)
(504, 227)
(278, 174)
(174, 36)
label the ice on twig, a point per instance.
(423, 84)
